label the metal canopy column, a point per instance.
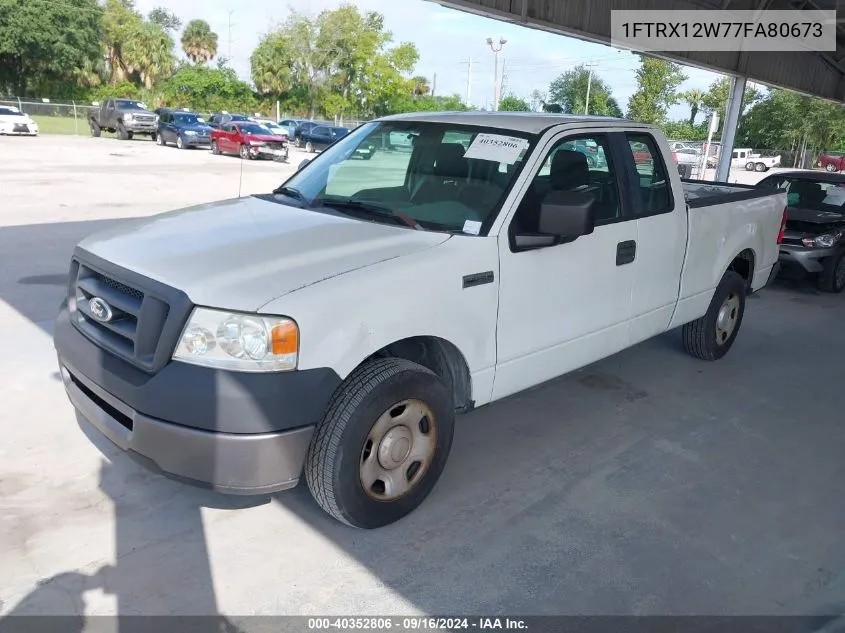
(734, 110)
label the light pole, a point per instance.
(495, 49)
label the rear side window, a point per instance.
(651, 175)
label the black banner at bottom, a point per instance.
(372, 624)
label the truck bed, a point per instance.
(703, 193)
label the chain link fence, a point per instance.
(54, 118)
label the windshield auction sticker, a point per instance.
(497, 148)
(745, 30)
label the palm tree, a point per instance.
(693, 99)
(149, 52)
(420, 86)
(199, 42)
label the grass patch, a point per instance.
(61, 125)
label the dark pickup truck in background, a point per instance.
(127, 117)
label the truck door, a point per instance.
(107, 114)
(661, 238)
(562, 307)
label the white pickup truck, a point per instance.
(744, 157)
(337, 324)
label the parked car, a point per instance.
(832, 162)
(185, 129)
(319, 137)
(13, 121)
(249, 140)
(304, 127)
(292, 125)
(688, 156)
(336, 325)
(216, 120)
(127, 117)
(744, 157)
(275, 128)
(814, 240)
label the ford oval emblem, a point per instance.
(100, 309)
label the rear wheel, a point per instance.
(832, 277)
(383, 443)
(830, 167)
(761, 167)
(749, 166)
(711, 336)
(95, 129)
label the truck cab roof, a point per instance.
(530, 122)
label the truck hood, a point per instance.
(240, 254)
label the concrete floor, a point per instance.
(649, 483)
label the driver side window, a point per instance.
(582, 164)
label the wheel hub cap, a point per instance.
(727, 318)
(395, 447)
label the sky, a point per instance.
(446, 39)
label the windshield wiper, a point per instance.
(368, 209)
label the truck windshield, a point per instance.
(127, 104)
(429, 175)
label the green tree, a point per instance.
(682, 130)
(270, 65)
(167, 20)
(420, 86)
(569, 91)
(717, 95)
(149, 53)
(44, 45)
(512, 103)
(408, 103)
(657, 90)
(120, 23)
(199, 42)
(207, 89)
(693, 98)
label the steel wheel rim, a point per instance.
(839, 274)
(726, 318)
(243, 151)
(398, 451)
(179, 142)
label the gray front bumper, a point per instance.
(142, 127)
(226, 462)
(808, 258)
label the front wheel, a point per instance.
(122, 133)
(244, 152)
(297, 142)
(180, 143)
(711, 336)
(160, 140)
(761, 167)
(214, 148)
(749, 166)
(832, 276)
(383, 443)
(309, 147)
(153, 137)
(95, 129)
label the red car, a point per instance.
(832, 162)
(249, 140)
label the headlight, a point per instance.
(257, 143)
(128, 117)
(826, 240)
(239, 342)
(191, 132)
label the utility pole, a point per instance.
(434, 84)
(503, 82)
(589, 85)
(496, 50)
(231, 24)
(469, 81)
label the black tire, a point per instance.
(336, 450)
(95, 129)
(122, 134)
(700, 336)
(761, 167)
(180, 143)
(297, 141)
(214, 148)
(153, 137)
(309, 147)
(830, 167)
(243, 152)
(749, 166)
(160, 140)
(832, 276)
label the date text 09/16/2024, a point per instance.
(412, 623)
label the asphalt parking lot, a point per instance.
(648, 483)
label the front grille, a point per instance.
(275, 145)
(792, 237)
(132, 324)
(144, 118)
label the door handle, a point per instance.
(626, 252)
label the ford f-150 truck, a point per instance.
(336, 325)
(127, 117)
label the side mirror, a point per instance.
(564, 217)
(303, 164)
